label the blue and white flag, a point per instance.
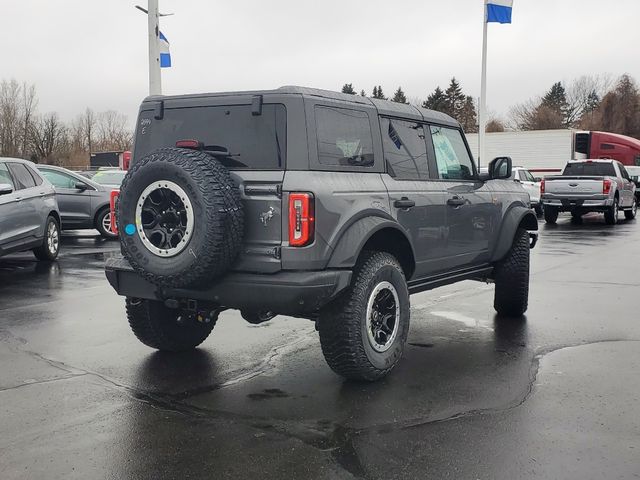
(165, 56)
(499, 11)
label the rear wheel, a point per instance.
(363, 333)
(611, 215)
(539, 209)
(104, 225)
(631, 213)
(511, 277)
(50, 247)
(550, 214)
(167, 329)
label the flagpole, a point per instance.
(155, 79)
(482, 114)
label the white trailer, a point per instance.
(537, 150)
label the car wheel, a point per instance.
(631, 213)
(611, 215)
(363, 333)
(50, 247)
(511, 276)
(180, 218)
(550, 214)
(103, 223)
(166, 329)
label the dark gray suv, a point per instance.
(314, 204)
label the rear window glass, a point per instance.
(596, 169)
(241, 140)
(344, 137)
(109, 178)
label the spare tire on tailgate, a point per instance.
(180, 217)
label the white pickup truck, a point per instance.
(589, 186)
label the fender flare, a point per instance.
(517, 215)
(346, 252)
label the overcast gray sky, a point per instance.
(93, 52)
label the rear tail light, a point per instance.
(112, 208)
(193, 144)
(301, 219)
(542, 186)
(606, 186)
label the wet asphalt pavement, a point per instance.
(554, 395)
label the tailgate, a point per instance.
(581, 186)
(261, 193)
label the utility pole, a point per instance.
(155, 79)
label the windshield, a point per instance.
(109, 178)
(248, 141)
(596, 169)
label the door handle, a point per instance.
(403, 203)
(456, 201)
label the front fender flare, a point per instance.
(346, 252)
(515, 217)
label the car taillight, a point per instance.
(606, 186)
(192, 144)
(301, 219)
(542, 186)
(112, 208)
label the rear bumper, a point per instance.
(283, 292)
(571, 202)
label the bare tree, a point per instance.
(584, 95)
(49, 139)
(495, 125)
(113, 132)
(29, 105)
(10, 118)
(619, 111)
(88, 121)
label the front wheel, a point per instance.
(104, 223)
(48, 251)
(511, 277)
(363, 333)
(611, 215)
(550, 215)
(631, 213)
(167, 329)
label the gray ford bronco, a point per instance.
(314, 204)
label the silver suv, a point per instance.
(315, 204)
(29, 217)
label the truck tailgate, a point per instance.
(580, 186)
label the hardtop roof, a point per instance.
(384, 107)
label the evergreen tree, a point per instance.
(467, 115)
(362, 93)
(436, 101)
(399, 96)
(455, 99)
(556, 99)
(348, 88)
(377, 93)
(593, 101)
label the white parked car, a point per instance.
(531, 186)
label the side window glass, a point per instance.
(344, 137)
(5, 176)
(452, 157)
(523, 176)
(36, 178)
(529, 176)
(23, 178)
(623, 172)
(58, 179)
(405, 150)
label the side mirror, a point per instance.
(500, 168)
(80, 186)
(6, 188)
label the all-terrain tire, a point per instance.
(511, 277)
(343, 326)
(101, 220)
(631, 213)
(550, 214)
(218, 217)
(48, 251)
(159, 327)
(611, 215)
